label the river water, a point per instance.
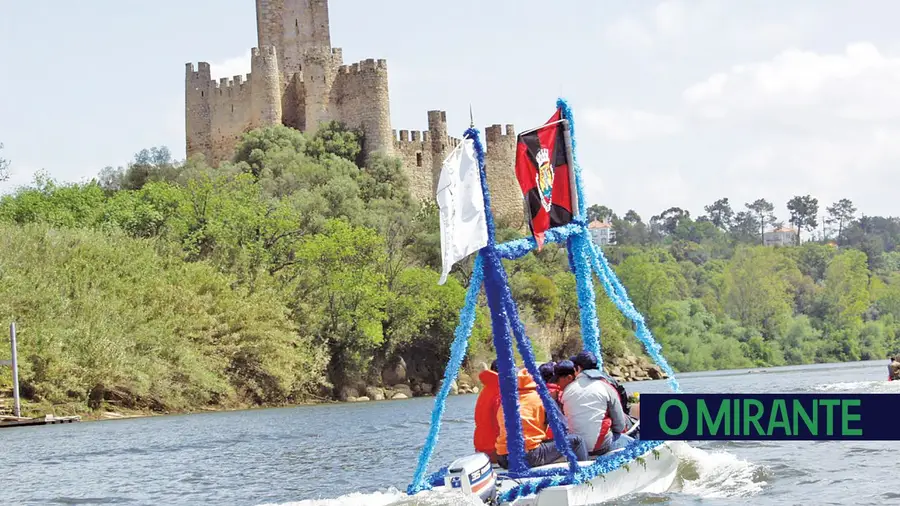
(364, 454)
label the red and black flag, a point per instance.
(542, 168)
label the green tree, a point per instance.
(338, 295)
(846, 289)
(763, 211)
(804, 212)
(720, 213)
(602, 213)
(746, 227)
(651, 278)
(336, 139)
(841, 213)
(757, 289)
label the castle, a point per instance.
(299, 80)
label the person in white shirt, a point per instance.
(592, 406)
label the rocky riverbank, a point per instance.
(398, 383)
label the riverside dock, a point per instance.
(15, 421)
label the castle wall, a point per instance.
(359, 98)
(293, 103)
(231, 111)
(500, 168)
(414, 149)
(220, 112)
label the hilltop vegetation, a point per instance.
(297, 271)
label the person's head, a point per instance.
(564, 373)
(547, 372)
(494, 366)
(585, 360)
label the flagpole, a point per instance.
(540, 127)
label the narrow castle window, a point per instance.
(201, 94)
(419, 159)
(297, 27)
(232, 107)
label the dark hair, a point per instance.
(547, 371)
(563, 368)
(585, 360)
(494, 366)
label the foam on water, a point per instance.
(875, 387)
(717, 474)
(702, 473)
(390, 497)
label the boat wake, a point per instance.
(392, 497)
(875, 387)
(701, 474)
(716, 473)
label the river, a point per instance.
(363, 454)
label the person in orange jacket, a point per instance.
(486, 407)
(540, 449)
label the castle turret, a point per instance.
(318, 79)
(360, 98)
(265, 90)
(197, 116)
(437, 131)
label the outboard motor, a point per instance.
(473, 475)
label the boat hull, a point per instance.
(653, 473)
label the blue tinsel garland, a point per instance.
(619, 296)
(579, 184)
(494, 283)
(509, 383)
(553, 413)
(583, 258)
(472, 133)
(518, 248)
(587, 302)
(457, 353)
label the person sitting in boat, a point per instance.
(486, 407)
(894, 368)
(540, 449)
(548, 372)
(592, 406)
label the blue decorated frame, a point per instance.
(585, 259)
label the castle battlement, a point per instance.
(230, 86)
(365, 66)
(200, 74)
(494, 134)
(299, 80)
(264, 52)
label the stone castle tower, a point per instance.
(299, 80)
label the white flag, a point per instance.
(459, 197)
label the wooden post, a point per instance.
(15, 370)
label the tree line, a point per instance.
(298, 269)
(746, 225)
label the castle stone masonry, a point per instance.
(299, 80)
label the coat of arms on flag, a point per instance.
(544, 174)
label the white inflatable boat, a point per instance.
(653, 472)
